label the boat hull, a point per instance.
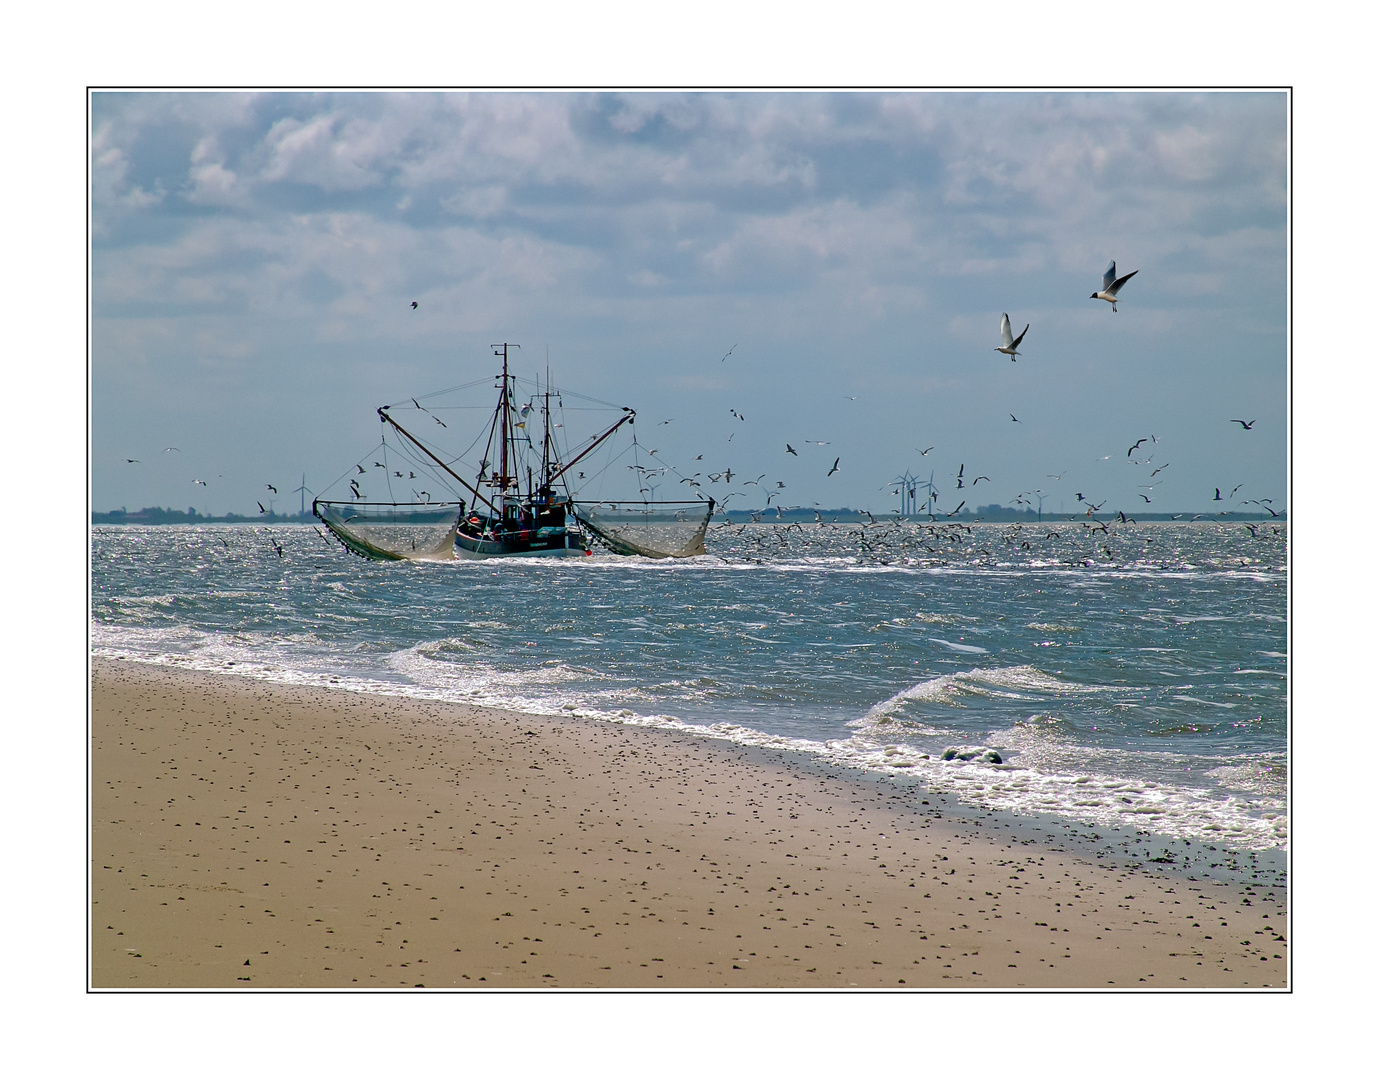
(470, 547)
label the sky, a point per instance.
(255, 256)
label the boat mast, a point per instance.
(545, 438)
(504, 420)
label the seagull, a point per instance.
(1244, 425)
(261, 509)
(167, 448)
(923, 453)
(1010, 344)
(790, 450)
(1110, 284)
(835, 466)
(1013, 417)
(1218, 496)
(1146, 498)
(271, 488)
(132, 460)
(201, 482)
(361, 469)
(414, 305)
(727, 354)
(1137, 445)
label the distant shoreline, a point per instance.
(156, 515)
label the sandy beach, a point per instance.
(246, 834)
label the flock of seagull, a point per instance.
(894, 542)
(1111, 285)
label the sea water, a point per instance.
(1130, 675)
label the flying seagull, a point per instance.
(790, 450)
(414, 305)
(1110, 284)
(923, 453)
(1013, 417)
(727, 354)
(835, 466)
(271, 488)
(1135, 447)
(1244, 425)
(1010, 344)
(261, 509)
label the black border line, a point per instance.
(1288, 90)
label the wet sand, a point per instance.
(250, 834)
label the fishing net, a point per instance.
(393, 531)
(658, 530)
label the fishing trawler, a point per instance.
(520, 502)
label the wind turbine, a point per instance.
(907, 484)
(304, 492)
(928, 485)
